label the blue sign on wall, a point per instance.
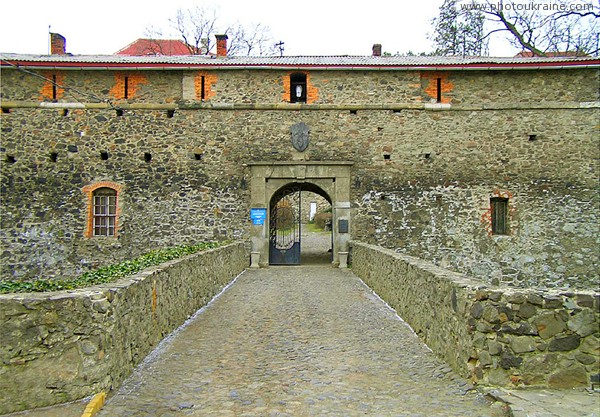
(258, 215)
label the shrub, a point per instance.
(104, 274)
(323, 220)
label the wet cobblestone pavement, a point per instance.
(295, 341)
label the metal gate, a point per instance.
(284, 227)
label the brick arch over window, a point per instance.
(101, 207)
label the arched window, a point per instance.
(298, 88)
(104, 211)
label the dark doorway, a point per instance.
(294, 237)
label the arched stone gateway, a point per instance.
(285, 222)
(273, 180)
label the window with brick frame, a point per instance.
(499, 209)
(298, 87)
(104, 212)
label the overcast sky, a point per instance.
(307, 27)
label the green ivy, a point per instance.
(105, 274)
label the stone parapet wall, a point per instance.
(61, 346)
(495, 335)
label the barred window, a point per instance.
(104, 211)
(499, 207)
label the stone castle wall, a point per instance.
(422, 178)
(500, 336)
(62, 346)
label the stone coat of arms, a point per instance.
(300, 138)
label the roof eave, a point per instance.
(216, 65)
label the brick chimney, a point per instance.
(377, 49)
(221, 45)
(58, 44)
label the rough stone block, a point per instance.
(522, 344)
(526, 310)
(585, 300)
(535, 299)
(565, 343)
(491, 314)
(583, 323)
(508, 360)
(568, 377)
(553, 301)
(477, 310)
(549, 324)
(591, 345)
(485, 359)
(516, 298)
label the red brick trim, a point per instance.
(486, 217)
(312, 92)
(88, 190)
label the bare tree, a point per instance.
(541, 28)
(198, 26)
(253, 40)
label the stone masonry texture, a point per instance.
(498, 336)
(422, 178)
(62, 346)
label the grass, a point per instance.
(312, 227)
(104, 274)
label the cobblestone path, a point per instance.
(295, 341)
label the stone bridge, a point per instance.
(294, 340)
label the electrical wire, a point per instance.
(67, 88)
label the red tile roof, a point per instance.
(169, 47)
(529, 54)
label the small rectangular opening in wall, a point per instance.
(5, 110)
(119, 112)
(387, 156)
(532, 138)
(54, 156)
(54, 94)
(202, 86)
(170, 113)
(499, 208)
(11, 159)
(427, 156)
(198, 156)
(104, 155)
(439, 90)
(353, 111)
(126, 88)
(147, 156)
(65, 112)
(397, 111)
